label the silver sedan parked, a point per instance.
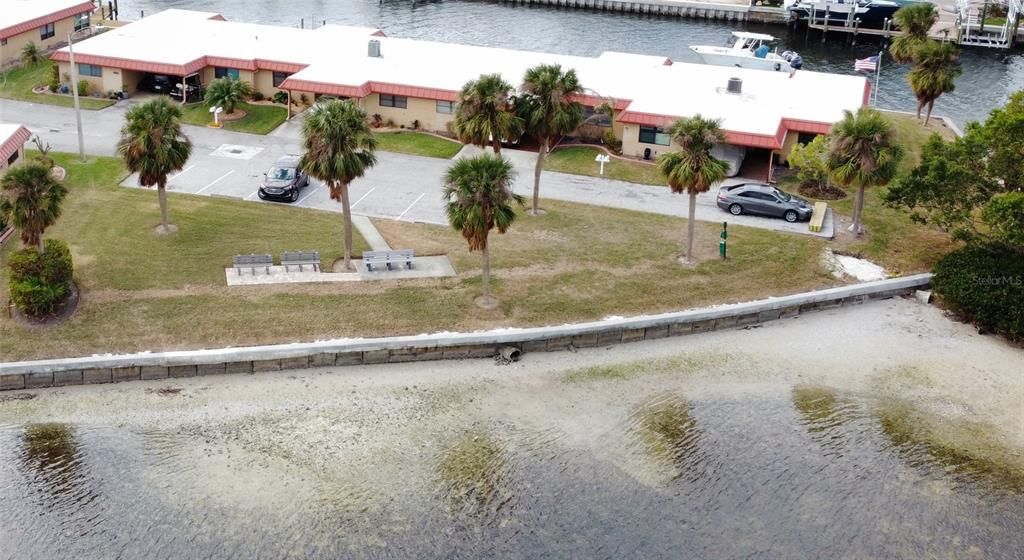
(766, 200)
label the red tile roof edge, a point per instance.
(40, 21)
(16, 141)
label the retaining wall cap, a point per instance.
(441, 340)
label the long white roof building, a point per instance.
(333, 59)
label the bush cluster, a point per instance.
(985, 284)
(40, 284)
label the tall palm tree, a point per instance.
(153, 145)
(692, 169)
(549, 110)
(478, 198)
(339, 148)
(31, 201)
(863, 153)
(934, 73)
(486, 113)
(227, 93)
(916, 21)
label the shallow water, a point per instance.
(811, 474)
(985, 84)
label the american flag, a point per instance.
(869, 64)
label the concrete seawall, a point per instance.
(722, 11)
(441, 346)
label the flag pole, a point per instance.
(878, 74)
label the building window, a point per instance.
(653, 135)
(47, 31)
(594, 117)
(221, 72)
(12, 159)
(3, 42)
(82, 21)
(396, 101)
(447, 107)
(90, 70)
(279, 78)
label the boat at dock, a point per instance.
(871, 13)
(749, 50)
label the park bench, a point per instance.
(301, 259)
(387, 258)
(252, 262)
(818, 216)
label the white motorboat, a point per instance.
(749, 50)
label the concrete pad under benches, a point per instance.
(422, 267)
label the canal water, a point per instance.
(989, 75)
(645, 474)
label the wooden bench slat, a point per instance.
(818, 216)
(387, 258)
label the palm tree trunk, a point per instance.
(691, 218)
(346, 212)
(41, 245)
(485, 281)
(161, 193)
(919, 107)
(858, 209)
(536, 173)
(928, 116)
(496, 144)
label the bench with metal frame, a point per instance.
(388, 258)
(252, 262)
(300, 259)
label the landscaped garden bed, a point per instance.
(259, 118)
(18, 83)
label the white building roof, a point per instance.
(14, 14)
(649, 88)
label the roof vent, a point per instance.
(374, 48)
(735, 86)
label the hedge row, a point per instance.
(985, 284)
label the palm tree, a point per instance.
(693, 169)
(31, 56)
(153, 145)
(339, 148)
(486, 113)
(31, 201)
(478, 198)
(227, 93)
(863, 153)
(934, 73)
(549, 110)
(916, 21)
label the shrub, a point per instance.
(227, 93)
(281, 97)
(376, 121)
(613, 143)
(809, 160)
(31, 55)
(390, 123)
(258, 96)
(984, 283)
(304, 99)
(416, 124)
(54, 78)
(40, 284)
(83, 88)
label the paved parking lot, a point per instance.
(408, 188)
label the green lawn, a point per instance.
(17, 83)
(417, 144)
(259, 119)
(579, 160)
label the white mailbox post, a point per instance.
(216, 115)
(602, 159)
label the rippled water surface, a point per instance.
(817, 474)
(989, 76)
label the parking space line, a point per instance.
(182, 172)
(410, 206)
(362, 197)
(312, 191)
(215, 181)
(254, 193)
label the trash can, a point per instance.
(647, 153)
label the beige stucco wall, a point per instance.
(21, 157)
(787, 145)
(631, 145)
(11, 52)
(423, 110)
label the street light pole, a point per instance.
(74, 94)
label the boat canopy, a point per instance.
(755, 36)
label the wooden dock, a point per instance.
(737, 10)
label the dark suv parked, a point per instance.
(284, 180)
(157, 83)
(758, 198)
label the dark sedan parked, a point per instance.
(284, 180)
(758, 198)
